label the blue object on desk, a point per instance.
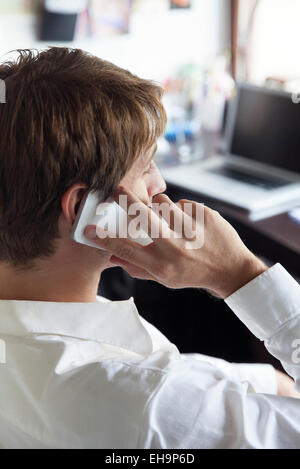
(175, 129)
(295, 214)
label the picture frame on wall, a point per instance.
(110, 17)
(180, 4)
(20, 6)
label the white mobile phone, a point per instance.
(93, 211)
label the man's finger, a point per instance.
(174, 214)
(154, 225)
(132, 270)
(121, 247)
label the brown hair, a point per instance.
(69, 117)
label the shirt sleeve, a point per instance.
(200, 405)
(270, 307)
(260, 377)
(196, 406)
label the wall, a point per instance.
(275, 45)
(156, 44)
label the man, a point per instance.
(83, 372)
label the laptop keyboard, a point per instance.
(258, 181)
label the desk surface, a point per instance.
(280, 228)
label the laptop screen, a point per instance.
(267, 128)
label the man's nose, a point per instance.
(161, 184)
(157, 189)
(164, 185)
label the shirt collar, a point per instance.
(112, 322)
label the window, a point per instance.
(268, 40)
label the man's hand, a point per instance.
(222, 265)
(285, 385)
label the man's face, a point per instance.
(144, 178)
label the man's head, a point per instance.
(71, 122)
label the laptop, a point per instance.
(260, 170)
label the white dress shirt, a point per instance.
(97, 375)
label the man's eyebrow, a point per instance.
(146, 160)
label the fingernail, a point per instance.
(90, 232)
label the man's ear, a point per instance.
(71, 200)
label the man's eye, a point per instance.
(150, 168)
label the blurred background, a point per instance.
(231, 75)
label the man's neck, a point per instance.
(38, 286)
(59, 280)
